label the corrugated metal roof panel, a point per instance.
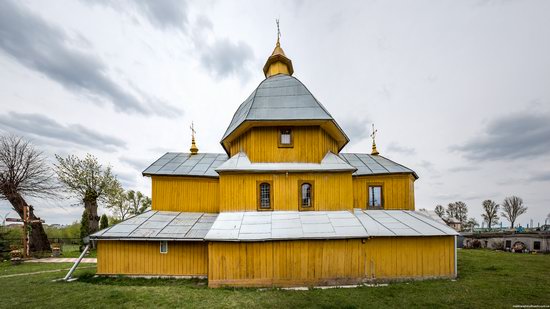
(277, 225)
(185, 164)
(158, 225)
(367, 164)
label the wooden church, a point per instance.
(281, 207)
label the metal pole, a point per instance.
(68, 276)
(456, 267)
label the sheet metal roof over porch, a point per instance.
(274, 225)
(205, 164)
(160, 225)
(294, 225)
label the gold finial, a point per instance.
(194, 150)
(278, 63)
(373, 136)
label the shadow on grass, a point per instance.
(91, 278)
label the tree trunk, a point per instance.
(38, 240)
(90, 204)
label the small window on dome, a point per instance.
(285, 137)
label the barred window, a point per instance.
(306, 196)
(265, 195)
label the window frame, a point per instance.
(312, 184)
(165, 242)
(370, 185)
(259, 196)
(535, 243)
(280, 133)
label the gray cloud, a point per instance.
(513, 136)
(356, 129)
(224, 58)
(163, 14)
(39, 126)
(40, 46)
(139, 164)
(542, 176)
(395, 147)
(469, 168)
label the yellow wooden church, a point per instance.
(283, 206)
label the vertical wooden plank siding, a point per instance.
(192, 194)
(144, 258)
(310, 144)
(322, 262)
(331, 191)
(397, 191)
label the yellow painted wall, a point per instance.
(310, 144)
(397, 192)
(277, 68)
(331, 191)
(320, 262)
(194, 194)
(144, 258)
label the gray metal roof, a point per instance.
(185, 164)
(206, 164)
(273, 225)
(288, 225)
(279, 97)
(160, 225)
(367, 164)
(240, 162)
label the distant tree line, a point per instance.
(512, 207)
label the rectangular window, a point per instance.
(285, 137)
(536, 245)
(375, 197)
(305, 194)
(265, 194)
(508, 244)
(164, 247)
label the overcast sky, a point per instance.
(459, 90)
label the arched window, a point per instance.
(265, 197)
(306, 195)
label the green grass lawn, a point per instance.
(71, 251)
(487, 279)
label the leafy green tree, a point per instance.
(138, 201)
(491, 212)
(103, 222)
(513, 208)
(117, 202)
(84, 227)
(125, 203)
(88, 181)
